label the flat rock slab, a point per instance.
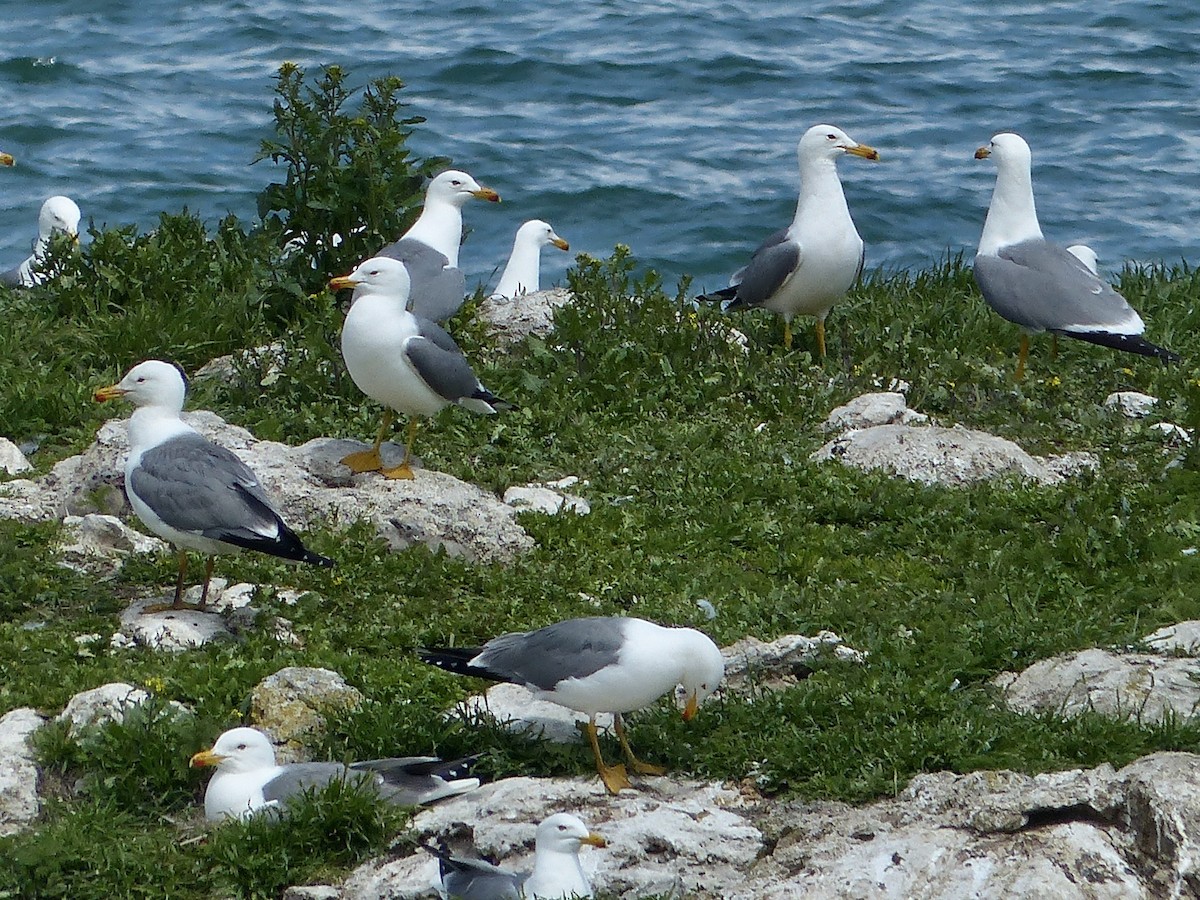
(869, 410)
(433, 509)
(954, 457)
(19, 803)
(1140, 686)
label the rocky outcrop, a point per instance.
(291, 707)
(19, 802)
(511, 321)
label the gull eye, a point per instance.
(562, 827)
(456, 183)
(373, 272)
(832, 137)
(241, 746)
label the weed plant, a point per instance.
(693, 444)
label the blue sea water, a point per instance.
(667, 126)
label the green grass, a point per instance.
(696, 462)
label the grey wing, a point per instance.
(197, 486)
(574, 648)
(769, 268)
(1041, 286)
(438, 289)
(443, 368)
(474, 879)
(413, 780)
(777, 237)
(297, 778)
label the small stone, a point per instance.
(312, 892)
(544, 499)
(12, 460)
(1182, 637)
(1172, 433)
(96, 534)
(107, 703)
(868, 410)
(1131, 404)
(19, 802)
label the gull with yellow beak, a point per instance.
(522, 274)
(249, 781)
(407, 363)
(598, 664)
(557, 873)
(58, 214)
(430, 247)
(1037, 284)
(807, 267)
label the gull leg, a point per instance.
(1021, 357)
(208, 570)
(177, 602)
(614, 777)
(787, 334)
(642, 768)
(404, 471)
(370, 460)
(821, 338)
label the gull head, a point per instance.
(149, 383)
(377, 275)
(456, 188)
(564, 833)
(238, 750)
(58, 214)
(1007, 149)
(829, 142)
(540, 234)
(703, 669)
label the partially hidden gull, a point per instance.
(522, 274)
(248, 780)
(57, 214)
(1086, 255)
(408, 363)
(1037, 284)
(557, 873)
(807, 267)
(6, 159)
(430, 247)
(610, 664)
(189, 491)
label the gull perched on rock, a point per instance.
(186, 489)
(430, 247)
(522, 274)
(1037, 284)
(556, 875)
(807, 267)
(248, 780)
(409, 364)
(57, 214)
(610, 664)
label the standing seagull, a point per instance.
(807, 267)
(248, 780)
(430, 247)
(407, 363)
(598, 664)
(57, 214)
(1039, 285)
(522, 275)
(557, 873)
(188, 490)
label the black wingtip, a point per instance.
(729, 293)
(1130, 343)
(457, 660)
(316, 559)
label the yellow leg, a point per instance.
(208, 570)
(1021, 357)
(787, 333)
(821, 338)
(614, 777)
(404, 471)
(177, 602)
(642, 768)
(370, 460)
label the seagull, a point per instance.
(186, 489)
(1037, 284)
(6, 159)
(409, 364)
(1085, 255)
(598, 664)
(556, 875)
(807, 267)
(57, 214)
(522, 274)
(248, 780)
(430, 247)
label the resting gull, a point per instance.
(430, 247)
(1037, 284)
(57, 214)
(598, 664)
(807, 267)
(248, 779)
(557, 873)
(409, 364)
(522, 274)
(188, 490)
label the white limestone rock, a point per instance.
(291, 707)
(107, 703)
(935, 455)
(511, 321)
(107, 537)
(544, 498)
(1131, 404)
(869, 410)
(172, 630)
(19, 804)
(12, 460)
(1182, 637)
(781, 663)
